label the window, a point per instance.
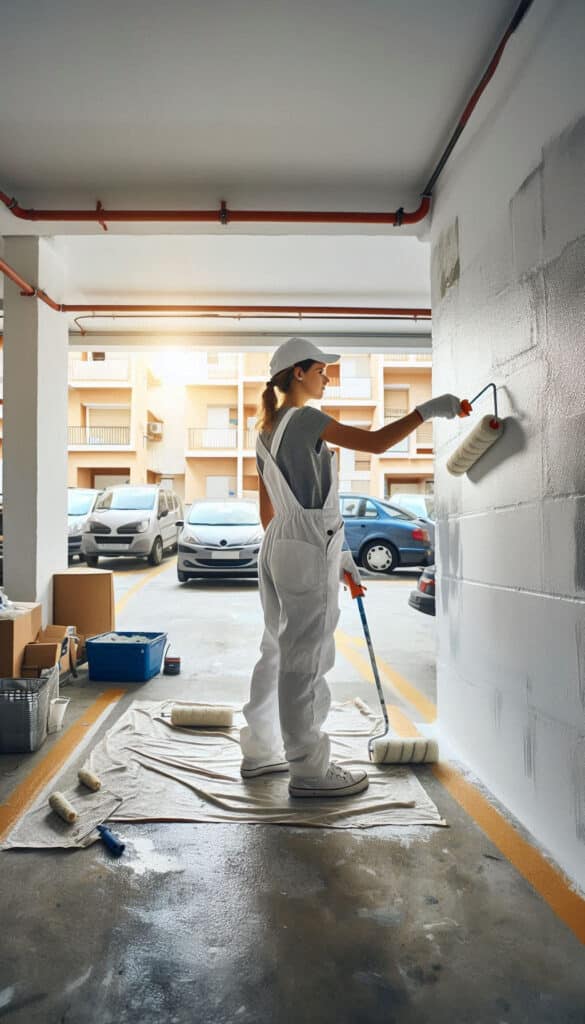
(370, 511)
(350, 507)
(162, 503)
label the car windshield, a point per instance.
(79, 502)
(132, 498)
(224, 514)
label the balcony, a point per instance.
(98, 437)
(424, 359)
(250, 436)
(211, 438)
(106, 371)
(352, 388)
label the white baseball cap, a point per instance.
(296, 350)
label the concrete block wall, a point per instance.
(508, 293)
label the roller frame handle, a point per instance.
(114, 845)
(358, 591)
(355, 589)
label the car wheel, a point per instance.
(92, 561)
(182, 577)
(378, 556)
(156, 553)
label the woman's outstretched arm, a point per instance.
(374, 441)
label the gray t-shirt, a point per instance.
(303, 459)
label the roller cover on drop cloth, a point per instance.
(60, 804)
(482, 437)
(89, 779)
(203, 715)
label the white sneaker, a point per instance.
(337, 781)
(251, 769)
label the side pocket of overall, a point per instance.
(296, 565)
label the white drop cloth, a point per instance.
(156, 772)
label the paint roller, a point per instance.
(482, 437)
(203, 716)
(386, 748)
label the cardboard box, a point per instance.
(59, 635)
(15, 634)
(37, 657)
(85, 597)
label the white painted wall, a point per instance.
(508, 259)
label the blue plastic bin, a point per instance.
(109, 661)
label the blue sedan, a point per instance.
(382, 537)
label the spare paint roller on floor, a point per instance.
(202, 716)
(482, 437)
(386, 748)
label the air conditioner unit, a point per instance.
(155, 429)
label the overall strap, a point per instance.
(279, 432)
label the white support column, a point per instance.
(35, 426)
(241, 434)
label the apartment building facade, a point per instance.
(187, 419)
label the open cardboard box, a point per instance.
(66, 637)
(39, 656)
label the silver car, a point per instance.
(140, 521)
(220, 538)
(81, 502)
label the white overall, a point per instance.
(299, 569)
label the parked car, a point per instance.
(420, 505)
(81, 502)
(382, 537)
(423, 598)
(141, 521)
(220, 538)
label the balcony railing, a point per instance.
(250, 438)
(103, 370)
(353, 387)
(212, 437)
(108, 437)
(409, 357)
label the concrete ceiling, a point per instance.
(265, 104)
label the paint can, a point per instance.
(172, 666)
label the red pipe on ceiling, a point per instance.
(27, 289)
(221, 216)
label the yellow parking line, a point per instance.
(399, 684)
(24, 794)
(546, 879)
(145, 578)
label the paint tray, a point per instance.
(111, 658)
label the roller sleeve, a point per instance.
(482, 437)
(202, 715)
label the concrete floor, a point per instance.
(270, 924)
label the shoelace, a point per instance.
(338, 772)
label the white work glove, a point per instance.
(348, 565)
(446, 406)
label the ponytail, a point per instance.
(268, 403)
(267, 408)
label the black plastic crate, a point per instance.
(24, 712)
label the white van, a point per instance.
(140, 521)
